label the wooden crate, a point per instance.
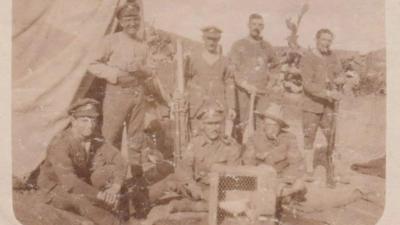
(253, 185)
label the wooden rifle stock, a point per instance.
(330, 170)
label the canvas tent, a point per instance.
(53, 42)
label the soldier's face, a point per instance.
(271, 128)
(84, 126)
(211, 44)
(130, 25)
(212, 130)
(256, 26)
(324, 42)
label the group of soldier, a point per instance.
(86, 173)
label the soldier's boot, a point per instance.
(309, 161)
(139, 202)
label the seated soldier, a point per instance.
(191, 179)
(82, 173)
(272, 145)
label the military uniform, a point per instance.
(120, 60)
(319, 73)
(202, 154)
(282, 154)
(74, 172)
(209, 79)
(252, 60)
(194, 167)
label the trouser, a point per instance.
(85, 206)
(82, 206)
(122, 104)
(312, 121)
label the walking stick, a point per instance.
(330, 170)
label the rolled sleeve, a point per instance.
(99, 66)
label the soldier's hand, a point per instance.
(334, 95)
(231, 114)
(132, 67)
(251, 89)
(103, 197)
(110, 195)
(195, 191)
(262, 155)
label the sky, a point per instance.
(358, 25)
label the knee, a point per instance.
(103, 176)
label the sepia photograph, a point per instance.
(198, 112)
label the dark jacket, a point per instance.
(69, 165)
(283, 153)
(319, 73)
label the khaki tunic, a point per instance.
(73, 173)
(283, 153)
(71, 166)
(201, 155)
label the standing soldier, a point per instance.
(320, 68)
(123, 62)
(209, 79)
(252, 58)
(82, 173)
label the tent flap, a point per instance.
(53, 43)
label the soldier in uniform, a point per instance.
(191, 176)
(209, 78)
(83, 173)
(252, 59)
(123, 62)
(274, 146)
(209, 148)
(320, 69)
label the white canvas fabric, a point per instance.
(53, 42)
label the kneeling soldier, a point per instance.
(82, 173)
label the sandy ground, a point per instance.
(360, 138)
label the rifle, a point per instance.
(330, 170)
(180, 109)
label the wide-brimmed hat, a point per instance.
(274, 112)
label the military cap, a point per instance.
(130, 9)
(84, 107)
(212, 113)
(274, 112)
(212, 32)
